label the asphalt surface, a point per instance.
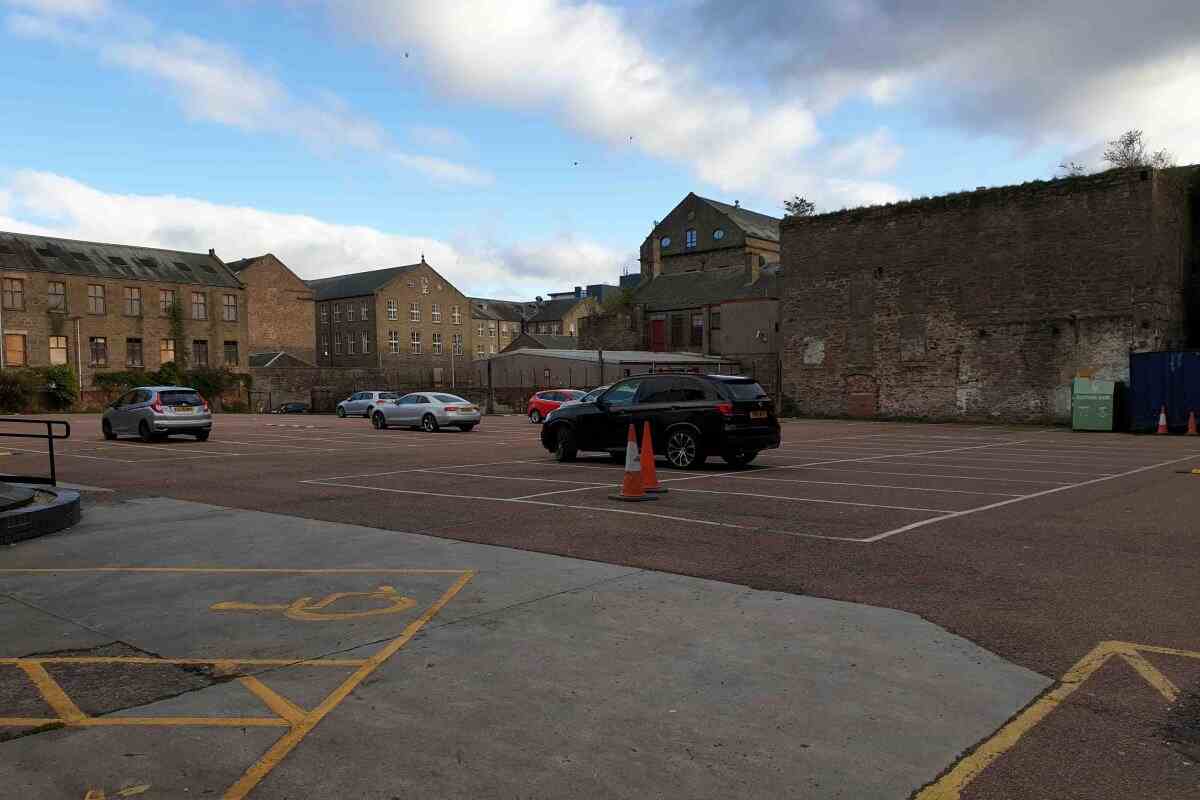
(1036, 544)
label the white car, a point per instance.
(361, 404)
(428, 411)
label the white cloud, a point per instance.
(584, 63)
(876, 154)
(81, 9)
(56, 205)
(435, 137)
(443, 171)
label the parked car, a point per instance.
(291, 408)
(590, 397)
(542, 403)
(428, 411)
(691, 418)
(361, 404)
(155, 412)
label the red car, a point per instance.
(543, 403)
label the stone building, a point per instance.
(281, 317)
(406, 319)
(560, 314)
(983, 305)
(105, 307)
(701, 234)
(496, 323)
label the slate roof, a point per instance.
(278, 358)
(552, 310)
(242, 263)
(711, 287)
(507, 310)
(545, 341)
(752, 223)
(25, 251)
(356, 284)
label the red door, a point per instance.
(658, 335)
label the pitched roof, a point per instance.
(242, 263)
(278, 358)
(710, 287)
(356, 284)
(752, 223)
(552, 310)
(507, 310)
(543, 341)
(124, 262)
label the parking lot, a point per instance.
(1036, 544)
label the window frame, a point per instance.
(197, 344)
(393, 310)
(97, 304)
(414, 312)
(435, 312)
(237, 352)
(366, 344)
(324, 312)
(133, 301)
(61, 306)
(66, 349)
(414, 342)
(132, 345)
(455, 315)
(351, 313)
(14, 295)
(93, 341)
(435, 343)
(456, 344)
(229, 311)
(690, 239)
(200, 306)
(166, 299)
(9, 361)
(163, 350)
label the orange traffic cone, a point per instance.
(650, 482)
(1191, 431)
(1162, 421)
(631, 486)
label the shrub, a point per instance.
(17, 389)
(59, 386)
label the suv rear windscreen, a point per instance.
(180, 398)
(746, 391)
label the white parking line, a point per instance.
(938, 475)
(437, 471)
(812, 500)
(752, 477)
(413, 469)
(982, 468)
(59, 453)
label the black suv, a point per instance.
(691, 417)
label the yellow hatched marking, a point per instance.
(1152, 675)
(179, 722)
(217, 663)
(273, 700)
(52, 693)
(27, 722)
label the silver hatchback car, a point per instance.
(155, 412)
(428, 411)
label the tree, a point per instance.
(799, 207)
(1128, 151)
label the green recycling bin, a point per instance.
(1093, 404)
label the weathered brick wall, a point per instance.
(984, 305)
(617, 330)
(323, 387)
(281, 315)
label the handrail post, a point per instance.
(50, 446)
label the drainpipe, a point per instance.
(3, 344)
(78, 360)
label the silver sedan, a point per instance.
(428, 411)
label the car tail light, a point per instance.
(205, 404)
(157, 405)
(452, 408)
(726, 409)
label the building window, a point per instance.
(98, 350)
(664, 242)
(14, 347)
(435, 313)
(56, 296)
(492, 349)
(363, 313)
(491, 330)
(229, 308)
(231, 353)
(337, 344)
(133, 301)
(414, 312)
(479, 350)
(14, 293)
(689, 237)
(324, 344)
(133, 353)
(698, 330)
(350, 315)
(437, 343)
(719, 234)
(200, 352)
(58, 350)
(166, 300)
(349, 344)
(414, 342)
(392, 311)
(200, 307)
(337, 312)
(324, 314)
(479, 330)
(457, 343)
(455, 315)
(714, 321)
(366, 344)
(394, 341)
(166, 350)
(95, 298)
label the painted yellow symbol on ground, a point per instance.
(308, 610)
(951, 785)
(129, 791)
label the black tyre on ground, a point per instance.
(144, 431)
(565, 448)
(378, 421)
(202, 436)
(108, 431)
(683, 449)
(739, 458)
(429, 423)
(467, 428)
(341, 412)
(535, 416)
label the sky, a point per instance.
(528, 146)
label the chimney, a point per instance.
(212, 251)
(737, 203)
(578, 292)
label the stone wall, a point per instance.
(984, 305)
(614, 330)
(281, 309)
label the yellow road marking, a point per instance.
(1161, 682)
(273, 700)
(53, 694)
(951, 784)
(175, 722)
(308, 610)
(220, 664)
(248, 570)
(288, 742)
(27, 722)
(98, 794)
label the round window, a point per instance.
(719, 234)
(664, 242)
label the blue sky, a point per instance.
(525, 147)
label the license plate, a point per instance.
(468, 409)
(758, 415)
(183, 409)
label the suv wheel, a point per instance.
(565, 448)
(739, 458)
(341, 412)
(429, 423)
(378, 421)
(108, 431)
(535, 416)
(683, 449)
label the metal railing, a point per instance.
(49, 436)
